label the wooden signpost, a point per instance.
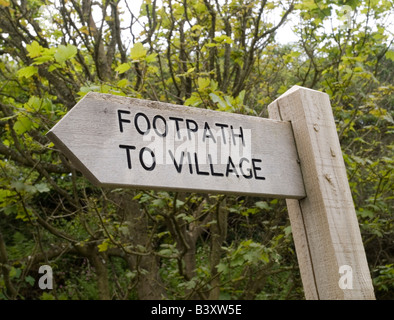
(117, 141)
(123, 142)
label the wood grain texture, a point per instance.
(98, 134)
(324, 224)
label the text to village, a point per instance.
(208, 149)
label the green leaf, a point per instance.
(42, 187)
(217, 99)
(22, 187)
(159, 203)
(131, 274)
(30, 280)
(194, 100)
(34, 49)
(103, 246)
(262, 205)
(221, 267)
(223, 39)
(122, 83)
(241, 97)
(138, 51)
(214, 85)
(123, 68)
(365, 213)
(270, 6)
(203, 83)
(47, 296)
(34, 104)
(211, 45)
(45, 56)
(390, 55)
(64, 53)
(151, 58)
(179, 203)
(84, 90)
(27, 72)
(308, 4)
(165, 252)
(15, 272)
(138, 196)
(4, 3)
(22, 125)
(53, 67)
(185, 217)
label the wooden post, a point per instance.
(325, 229)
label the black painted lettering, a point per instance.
(210, 135)
(137, 126)
(213, 173)
(190, 163)
(250, 174)
(198, 171)
(128, 148)
(120, 119)
(161, 134)
(178, 166)
(146, 167)
(189, 129)
(230, 168)
(177, 120)
(239, 135)
(256, 168)
(222, 126)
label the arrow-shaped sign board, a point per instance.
(123, 142)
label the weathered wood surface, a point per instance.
(123, 142)
(324, 224)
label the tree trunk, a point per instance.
(218, 234)
(149, 285)
(99, 264)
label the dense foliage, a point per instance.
(222, 55)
